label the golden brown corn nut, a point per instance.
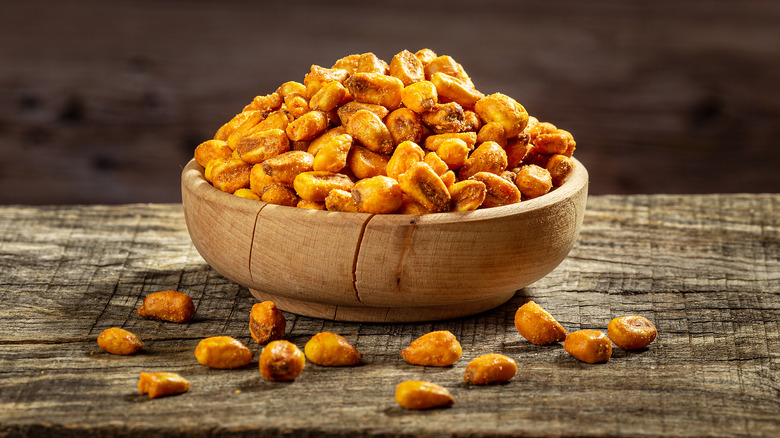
(446, 64)
(285, 167)
(247, 194)
(407, 67)
(239, 121)
(319, 76)
(331, 350)
(310, 205)
(516, 148)
(262, 145)
(308, 126)
(276, 120)
(448, 178)
(266, 322)
(268, 103)
(296, 104)
(281, 361)
(291, 87)
(340, 200)
(492, 131)
(315, 185)
(455, 90)
(369, 130)
(328, 97)
(258, 180)
(590, 346)
(119, 341)
(348, 63)
(499, 191)
(438, 349)
(323, 139)
(425, 56)
(503, 109)
(410, 206)
(418, 394)
(346, 111)
(423, 185)
(471, 121)
(554, 143)
(533, 181)
(432, 142)
(537, 325)
(453, 152)
(162, 384)
(444, 118)
(404, 155)
(467, 195)
(559, 166)
(375, 88)
(332, 157)
(631, 332)
(420, 96)
(488, 157)
(437, 164)
(167, 305)
(571, 145)
(222, 352)
(490, 369)
(404, 125)
(210, 150)
(535, 128)
(280, 195)
(366, 164)
(379, 194)
(370, 63)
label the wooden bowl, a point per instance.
(382, 268)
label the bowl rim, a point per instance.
(193, 178)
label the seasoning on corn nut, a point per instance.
(559, 166)
(446, 64)
(162, 384)
(455, 89)
(404, 125)
(407, 67)
(490, 369)
(230, 175)
(631, 332)
(265, 104)
(119, 341)
(418, 394)
(315, 185)
(240, 120)
(533, 181)
(262, 145)
(454, 152)
(346, 111)
(319, 76)
(366, 164)
(369, 130)
(404, 156)
(425, 56)
(266, 322)
(222, 352)
(285, 167)
(467, 195)
(307, 126)
(423, 185)
(210, 150)
(167, 305)
(590, 346)
(328, 97)
(498, 190)
(488, 157)
(444, 118)
(279, 195)
(332, 156)
(340, 200)
(537, 325)
(281, 361)
(420, 96)
(438, 349)
(330, 349)
(503, 109)
(378, 194)
(375, 88)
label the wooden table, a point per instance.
(704, 268)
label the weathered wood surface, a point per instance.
(104, 102)
(705, 269)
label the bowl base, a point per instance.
(381, 314)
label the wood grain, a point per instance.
(704, 269)
(104, 102)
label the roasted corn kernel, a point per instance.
(553, 143)
(332, 156)
(537, 325)
(498, 191)
(291, 87)
(492, 131)
(590, 346)
(407, 67)
(281, 361)
(420, 96)
(308, 126)
(119, 341)
(503, 109)
(346, 111)
(425, 56)
(328, 97)
(488, 157)
(258, 180)
(210, 150)
(162, 384)
(266, 322)
(330, 349)
(340, 200)
(167, 305)
(490, 369)
(455, 89)
(423, 185)
(418, 394)
(247, 194)
(370, 63)
(404, 156)
(315, 185)
(369, 130)
(467, 195)
(438, 349)
(432, 142)
(319, 76)
(378, 194)
(446, 64)
(404, 125)
(375, 88)
(222, 352)
(280, 195)
(285, 167)
(230, 175)
(559, 166)
(453, 152)
(631, 332)
(265, 104)
(262, 145)
(444, 118)
(533, 181)
(516, 148)
(239, 121)
(366, 164)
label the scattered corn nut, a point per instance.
(537, 325)
(418, 394)
(115, 340)
(438, 349)
(266, 322)
(167, 305)
(631, 332)
(281, 361)
(222, 352)
(330, 349)
(423, 185)
(490, 369)
(590, 346)
(162, 384)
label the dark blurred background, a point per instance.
(104, 101)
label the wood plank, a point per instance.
(105, 102)
(704, 269)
